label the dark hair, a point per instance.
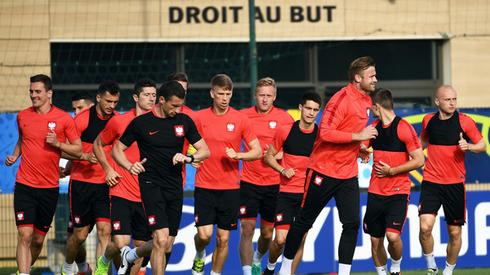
(143, 83)
(171, 88)
(109, 86)
(178, 76)
(222, 81)
(382, 97)
(360, 64)
(82, 95)
(46, 80)
(311, 96)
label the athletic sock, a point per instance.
(286, 266)
(344, 269)
(448, 270)
(430, 260)
(247, 270)
(395, 265)
(381, 270)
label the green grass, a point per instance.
(476, 271)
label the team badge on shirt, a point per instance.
(19, 216)
(230, 127)
(272, 124)
(367, 111)
(51, 125)
(279, 217)
(196, 218)
(116, 225)
(318, 180)
(76, 219)
(179, 130)
(243, 210)
(152, 220)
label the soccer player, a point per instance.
(160, 137)
(396, 151)
(333, 164)
(80, 102)
(296, 143)
(259, 183)
(446, 134)
(43, 132)
(217, 191)
(128, 218)
(89, 193)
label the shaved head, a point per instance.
(444, 89)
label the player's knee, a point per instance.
(204, 236)
(455, 234)
(392, 237)
(280, 241)
(425, 230)
(247, 230)
(160, 241)
(222, 241)
(351, 226)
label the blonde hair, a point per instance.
(265, 82)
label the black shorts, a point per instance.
(128, 218)
(35, 207)
(256, 199)
(288, 206)
(218, 207)
(452, 197)
(89, 203)
(385, 213)
(163, 207)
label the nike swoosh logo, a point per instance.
(153, 132)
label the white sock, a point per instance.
(214, 273)
(257, 257)
(132, 256)
(344, 269)
(430, 260)
(395, 265)
(82, 267)
(68, 268)
(448, 270)
(381, 270)
(247, 270)
(271, 266)
(286, 266)
(201, 254)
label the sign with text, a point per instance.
(320, 253)
(196, 20)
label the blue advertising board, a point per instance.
(320, 253)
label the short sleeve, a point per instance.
(470, 129)
(192, 134)
(71, 131)
(247, 130)
(110, 133)
(129, 135)
(408, 135)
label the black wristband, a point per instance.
(190, 156)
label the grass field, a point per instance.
(476, 271)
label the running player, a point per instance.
(333, 164)
(296, 143)
(397, 151)
(259, 183)
(446, 134)
(89, 193)
(127, 214)
(217, 194)
(160, 136)
(43, 132)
